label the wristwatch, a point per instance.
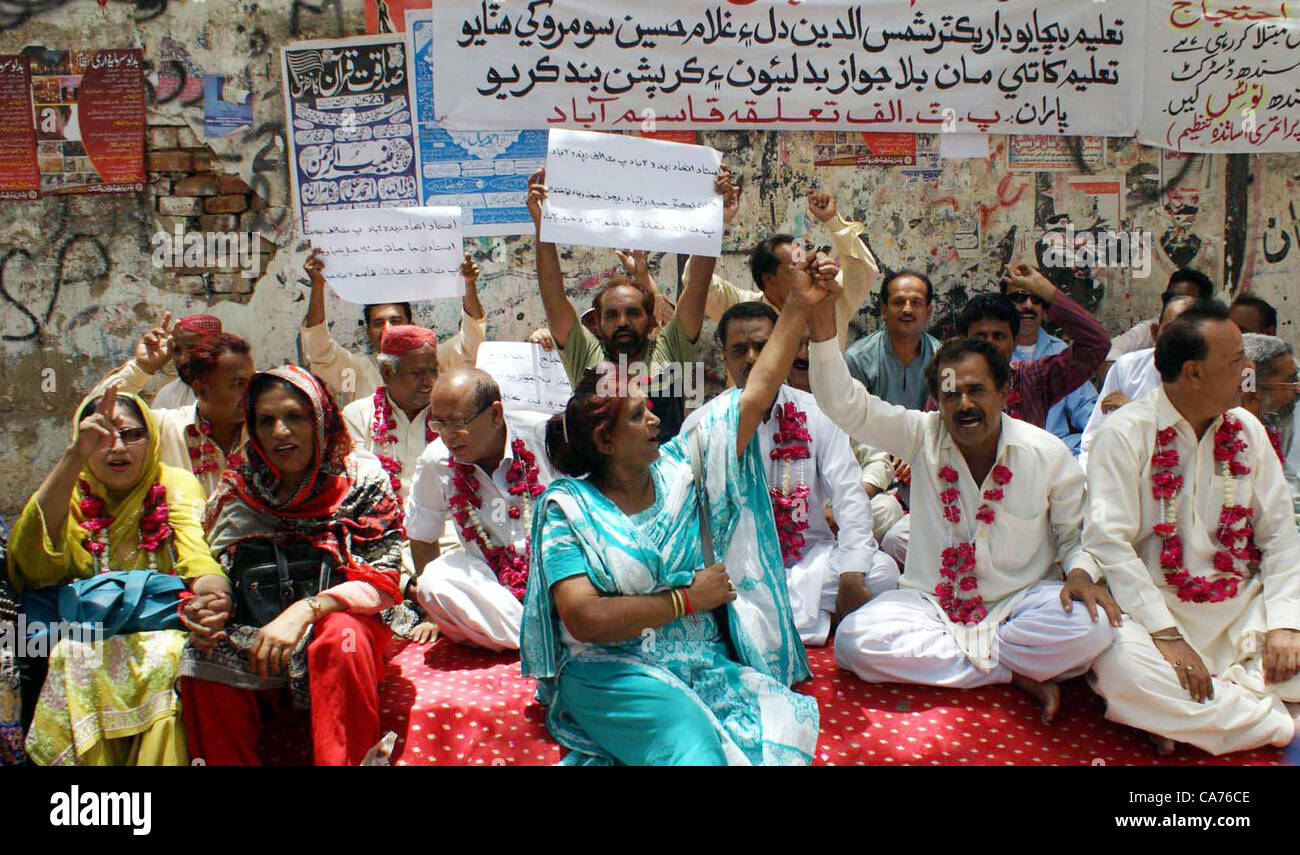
(316, 607)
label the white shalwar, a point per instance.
(1139, 685)
(905, 636)
(831, 473)
(459, 590)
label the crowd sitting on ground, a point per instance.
(954, 512)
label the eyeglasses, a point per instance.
(1018, 297)
(132, 435)
(456, 425)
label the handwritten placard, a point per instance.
(390, 255)
(627, 192)
(957, 66)
(530, 378)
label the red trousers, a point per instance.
(345, 664)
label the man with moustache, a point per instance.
(1132, 376)
(828, 572)
(1271, 398)
(1068, 416)
(484, 472)
(625, 317)
(1191, 523)
(997, 505)
(891, 361)
(176, 343)
(1183, 282)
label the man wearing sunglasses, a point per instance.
(481, 472)
(1068, 416)
(1183, 282)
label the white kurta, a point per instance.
(1037, 524)
(331, 362)
(1137, 338)
(832, 475)
(878, 472)
(458, 590)
(1134, 374)
(410, 435)
(1139, 685)
(174, 395)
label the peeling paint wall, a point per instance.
(77, 286)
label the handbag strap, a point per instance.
(697, 472)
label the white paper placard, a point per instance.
(390, 255)
(631, 193)
(530, 377)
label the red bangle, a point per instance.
(690, 611)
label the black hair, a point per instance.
(1204, 285)
(406, 307)
(570, 435)
(741, 312)
(486, 391)
(121, 401)
(204, 358)
(1267, 314)
(995, 306)
(884, 286)
(958, 348)
(763, 258)
(1183, 339)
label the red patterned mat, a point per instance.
(453, 705)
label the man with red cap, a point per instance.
(354, 377)
(163, 344)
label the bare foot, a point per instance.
(1047, 693)
(1164, 747)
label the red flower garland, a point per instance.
(154, 530)
(201, 459)
(790, 443)
(511, 567)
(1165, 487)
(382, 425)
(957, 563)
(1014, 398)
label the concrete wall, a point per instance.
(77, 285)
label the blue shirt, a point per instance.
(1069, 416)
(872, 361)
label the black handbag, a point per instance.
(269, 577)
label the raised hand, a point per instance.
(315, 265)
(1023, 277)
(730, 193)
(821, 205)
(636, 263)
(536, 196)
(469, 270)
(542, 336)
(97, 431)
(154, 349)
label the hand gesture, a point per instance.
(730, 193)
(98, 432)
(154, 349)
(536, 196)
(469, 270)
(1192, 673)
(823, 269)
(275, 643)
(711, 588)
(1281, 655)
(821, 205)
(1079, 586)
(542, 336)
(636, 264)
(205, 616)
(902, 471)
(1022, 277)
(315, 265)
(1114, 401)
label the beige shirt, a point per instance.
(1037, 525)
(1123, 511)
(411, 437)
(857, 276)
(353, 376)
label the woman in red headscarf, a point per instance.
(299, 497)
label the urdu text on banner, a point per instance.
(976, 66)
(390, 255)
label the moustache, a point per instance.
(969, 414)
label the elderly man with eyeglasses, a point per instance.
(1271, 398)
(483, 472)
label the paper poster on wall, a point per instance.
(1222, 77)
(1107, 194)
(225, 108)
(529, 377)
(631, 193)
(89, 120)
(485, 173)
(390, 255)
(847, 148)
(391, 16)
(1055, 154)
(19, 176)
(352, 139)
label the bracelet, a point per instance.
(1174, 637)
(690, 611)
(675, 596)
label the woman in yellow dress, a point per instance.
(110, 504)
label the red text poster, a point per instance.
(19, 177)
(847, 148)
(389, 16)
(90, 121)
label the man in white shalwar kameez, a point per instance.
(1193, 664)
(844, 565)
(459, 590)
(1018, 498)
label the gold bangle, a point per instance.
(679, 608)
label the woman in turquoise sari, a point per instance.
(643, 657)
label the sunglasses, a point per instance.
(1018, 297)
